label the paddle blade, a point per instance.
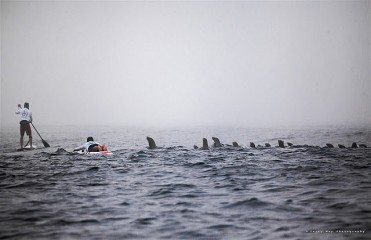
(45, 143)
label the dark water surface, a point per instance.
(176, 192)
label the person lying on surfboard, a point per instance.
(26, 119)
(91, 146)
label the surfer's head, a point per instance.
(89, 139)
(26, 105)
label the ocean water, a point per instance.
(175, 192)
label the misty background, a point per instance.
(198, 63)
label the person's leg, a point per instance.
(21, 141)
(102, 147)
(29, 133)
(21, 133)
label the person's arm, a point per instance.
(82, 147)
(19, 109)
(31, 119)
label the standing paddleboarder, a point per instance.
(26, 119)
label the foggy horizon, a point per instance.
(184, 64)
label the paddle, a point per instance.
(44, 142)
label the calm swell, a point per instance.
(176, 192)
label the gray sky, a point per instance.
(232, 63)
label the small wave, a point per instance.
(114, 219)
(308, 192)
(94, 184)
(221, 226)
(252, 202)
(197, 165)
(58, 152)
(61, 151)
(177, 186)
(189, 196)
(25, 211)
(73, 221)
(340, 205)
(282, 229)
(140, 156)
(277, 189)
(145, 221)
(125, 204)
(88, 221)
(171, 188)
(190, 234)
(356, 166)
(4, 175)
(219, 158)
(28, 184)
(160, 192)
(185, 204)
(358, 133)
(92, 169)
(15, 235)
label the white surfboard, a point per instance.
(28, 148)
(95, 153)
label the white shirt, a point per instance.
(26, 114)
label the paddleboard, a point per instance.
(27, 148)
(96, 153)
(101, 153)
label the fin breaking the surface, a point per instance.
(205, 145)
(151, 143)
(216, 142)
